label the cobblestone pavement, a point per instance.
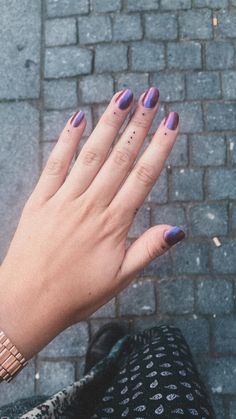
(60, 55)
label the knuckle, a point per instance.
(123, 157)
(139, 120)
(54, 166)
(113, 119)
(91, 157)
(145, 174)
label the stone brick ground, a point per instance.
(58, 55)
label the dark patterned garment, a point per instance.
(148, 375)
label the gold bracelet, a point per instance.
(11, 360)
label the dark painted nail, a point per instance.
(124, 99)
(77, 118)
(151, 97)
(172, 120)
(174, 235)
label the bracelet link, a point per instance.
(11, 360)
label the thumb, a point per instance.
(151, 244)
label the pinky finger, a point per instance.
(57, 166)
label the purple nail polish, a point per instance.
(172, 120)
(174, 235)
(77, 118)
(151, 97)
(124, 99)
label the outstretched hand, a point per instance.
(68, 256)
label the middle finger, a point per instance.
(117, 166)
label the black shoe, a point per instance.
(102, 342)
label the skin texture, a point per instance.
(68, 255)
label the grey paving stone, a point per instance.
(208, 150)
(161, 26)
(229, 84)
(179, 153)
(208, 219)
(71, 342)
(195, 24)
(93, 29)
(233, 219)
(158, 193)
(223, 258)
(107, 310)
(67, 62)
(137, 5)
(158, 267)
(191, 118)
(221, 375)
(226, 27)
(158, 118)
(184, 55)
(171, 86)
(54, 122)
(127, 27)
(196, 333)
(18, 162)
(176, 296)
(134, 81)
(141, 222)
(224, 50)
(46, 148)
(103, 6)
(221, 116)
(170, 214)
(233, 2)
(218, 406)
(80, 368)
(22, 386)
(213, 4)
(60, 94)
(20, 49)
(144, 323)
(203, 85)
(53, 376)
(57, 8)
(111, 58)
(147, 56)
(232, 148)
(60, 32)
(214, 296)
(222, 183)
(190, 257)
(96, 89)
(224, 334)
(187, 185)
(177, 4)
(232, 409)
(138, 299)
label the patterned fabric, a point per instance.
(148, 375)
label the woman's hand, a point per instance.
(68, 255)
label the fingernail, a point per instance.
(151, 97)
(172, 120)
(77, 118)
(124, 99)
(174, 235)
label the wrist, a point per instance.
(26, 318)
